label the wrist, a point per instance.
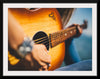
(26, 47)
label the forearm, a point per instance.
(15, 32)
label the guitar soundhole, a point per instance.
(41, 38)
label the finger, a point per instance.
(46, 59)
(44, 47)
(42, 63)
(40, 69)
(80, 29)
(45, 68)
(74, 24)
(39, 63)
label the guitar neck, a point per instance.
(61, 36)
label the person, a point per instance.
(40, 60)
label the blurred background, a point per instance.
(83, 43)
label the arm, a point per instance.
(38, 57)
(15, 33)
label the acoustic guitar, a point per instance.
(43, 25)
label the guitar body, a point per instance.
(44, 19)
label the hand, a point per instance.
(79, 29)
(39, 58)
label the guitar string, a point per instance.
(47, 43)
(53, 41)
(42, 40)
(47, 36)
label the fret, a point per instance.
(62, 35)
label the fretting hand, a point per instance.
(79, 29)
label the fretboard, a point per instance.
(61, 36)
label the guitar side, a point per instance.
(44, 19)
